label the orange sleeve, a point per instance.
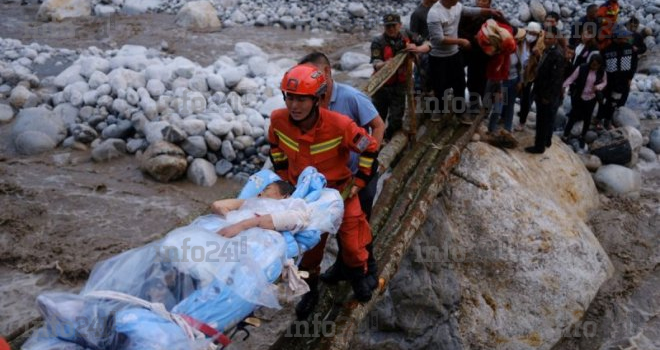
(277, 155)
(359, 141)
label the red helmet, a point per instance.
(304, 79)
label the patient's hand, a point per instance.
(224, 206)
(231, 230)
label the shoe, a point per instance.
(308, 302)
(333, 275)
(363, 286)
(436, 117)
(534, 150)
(465, 119)
(519, 127)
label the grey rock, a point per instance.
(287, 22)
(32, 142)
(246, 85)
(648, 155)
(67, 113)
(258, 66)
(97, 79)
(618, 180)
(228, 151)
(213, 142)
(201, 172)
(591, 162)
(164, 161)
(654, 140)
(109, 149)
(357, 9)
(223, 167)
(153, 131)
(524, 13)
(6, 113)
(195, 146)
(198, 15)
(21, 97)
(590, 137)
(122, 130)
(538, 10)
(135, 145)
(198, 83)
(351, 60)
(245, 50)
(216, 82)
(271, 104)
(625, 116)
(246, 141)
(193, 126)
(42, 120)
(232, 76)
(219, 127)
(155, 87)
(83, 133)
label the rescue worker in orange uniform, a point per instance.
(607, 14)
(304, 134)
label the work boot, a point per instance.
(334, 274)
(308, 302)
(363, 286)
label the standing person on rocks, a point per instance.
(586, 82)
(390, 100)
(475, 58)
(446, 61)
(637, 39)
(530, 55)
(608, 14)
(589, 22)
(498, 68)
(547, 90)
(305, 134)
(420, 31)
(620, 65)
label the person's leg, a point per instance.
(368, 193)
(355, 235)
(458, 82)
(509, 101)
(587, 111)
(311, 262)
(397, 97)
(574, 115)
(381, 101)
(543, 126)
(438, 80)
(493, 103)
(525, 103)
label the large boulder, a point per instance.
(37, 130)
(618, 180)
(613, 147)
(164, 161)
(524, 13)
(57, 10)
(505, 259)
(198, 15)
(109, 149)
(21, 97)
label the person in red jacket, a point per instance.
(304, 134)
(607, 14)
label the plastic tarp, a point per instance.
(192, 271)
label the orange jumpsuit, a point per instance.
(327, 147)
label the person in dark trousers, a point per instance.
(530, 54)
(390, 100)
(548, 90)
(620, 65)
(446, 60)
(587, 82)
(420, 32)
(475, 58)
(589, 22)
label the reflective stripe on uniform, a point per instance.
(366, 162)
(279, 156)
(325, 146)
(287, 140)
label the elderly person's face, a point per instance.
(392, 29)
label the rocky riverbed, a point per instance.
(82, 99)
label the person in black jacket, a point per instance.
(548, 90)
(637, 39)
(620, 65)
(587, 83)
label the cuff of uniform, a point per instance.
(359, 182)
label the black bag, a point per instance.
(612, 148)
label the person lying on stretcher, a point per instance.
(294, 217)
